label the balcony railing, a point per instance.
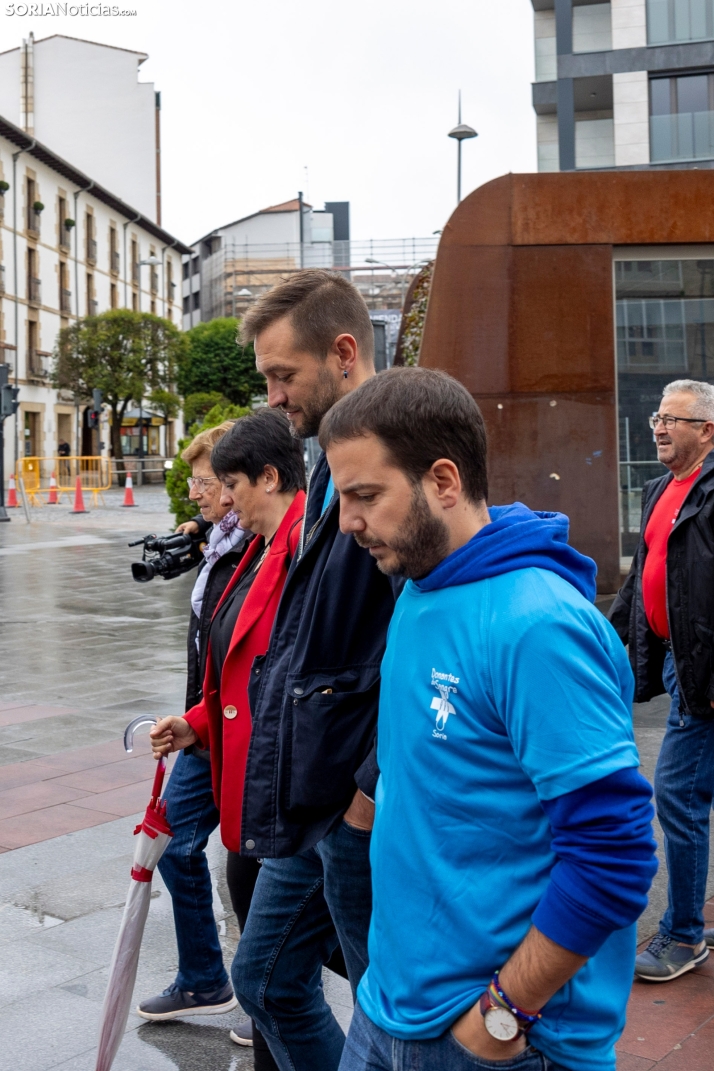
(114, 261)
(92, 307)
(686, 136)
(34, 291)
(2, 278)
(154, 281)
(33, 221)
(92, 250)
(35, 365)
(65, 239)
(66, 301)
(135, 273)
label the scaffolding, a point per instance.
(237, 273)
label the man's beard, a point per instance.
(325, 396)
(422, 543)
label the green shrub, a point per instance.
(182, 507)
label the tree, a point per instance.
(195, 406)
(168, 404)
(181, 506)
(124, 354)
(215, 361)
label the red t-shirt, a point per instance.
(654, 576)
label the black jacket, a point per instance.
(216, 584)
(314, 695)
(690, 599)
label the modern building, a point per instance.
(565, 303)
(68, 248)
(231, 266)
(626, 84)
(83, 101)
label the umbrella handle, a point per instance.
(146, 719)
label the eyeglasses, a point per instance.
(199, 482)
(670, 421)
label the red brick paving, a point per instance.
(56, 794)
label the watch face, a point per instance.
(501, 1024)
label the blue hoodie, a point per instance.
(506, 696)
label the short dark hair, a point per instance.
(420, 415)
(261, 438)
(321, 305)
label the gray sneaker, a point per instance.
(708, 936)
(174, 1003)
(243, 1033)
(665, 959)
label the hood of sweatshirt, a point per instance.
(516, 538)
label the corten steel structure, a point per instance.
(522, 311)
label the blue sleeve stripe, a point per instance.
(602, 837)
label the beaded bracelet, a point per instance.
(496, 991)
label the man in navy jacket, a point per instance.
(311, 773)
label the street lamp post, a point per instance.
(460, 133)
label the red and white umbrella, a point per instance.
(152, 835)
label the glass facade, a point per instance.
(682, 117)
(665, 331)
(670, 21)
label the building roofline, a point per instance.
(272, 209)
(84, 41)
(84, 182)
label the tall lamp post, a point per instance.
(461, 132)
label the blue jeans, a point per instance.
(684, 787)
(369, 1048)
(301, 908)
(193, 816)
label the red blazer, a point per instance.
(222, 719)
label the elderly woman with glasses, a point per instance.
(201, 986)
(262, 474)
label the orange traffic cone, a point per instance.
(78, 499)
(128, 492)
(52, 496)
(12, 494)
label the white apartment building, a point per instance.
(229, 267)
(624, 84)
(68, 248)
(83, 101)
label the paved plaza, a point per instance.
(83, 650)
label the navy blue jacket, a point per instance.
(314, 695)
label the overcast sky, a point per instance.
(361, 94)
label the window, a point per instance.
(65, 295)
(34, 362)
(186, 304)
(134, 302)
(186, 268)
(134, 261)
(91, 251)
(33, 216)
(679, 20)
(113, 302)
(62, 217)
(665, 331)
(113, 250)
(169, 281)
(682, 117)
(197, 299)
(92, 305)
(33, 282)
(195, 267)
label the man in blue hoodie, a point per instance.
(512, 849)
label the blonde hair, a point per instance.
(204, 442)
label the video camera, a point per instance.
(166, 556)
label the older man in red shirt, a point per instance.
(665, 611)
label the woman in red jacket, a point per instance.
(262, 471)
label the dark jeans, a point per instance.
(183, 866)
(369, 1048)
(302, 908)
(684, 787)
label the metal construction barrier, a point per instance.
(94, 473)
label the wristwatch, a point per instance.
(500, 1022)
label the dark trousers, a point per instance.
(303, 909)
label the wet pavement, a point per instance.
(83, 650)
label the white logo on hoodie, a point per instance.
(445, 685)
